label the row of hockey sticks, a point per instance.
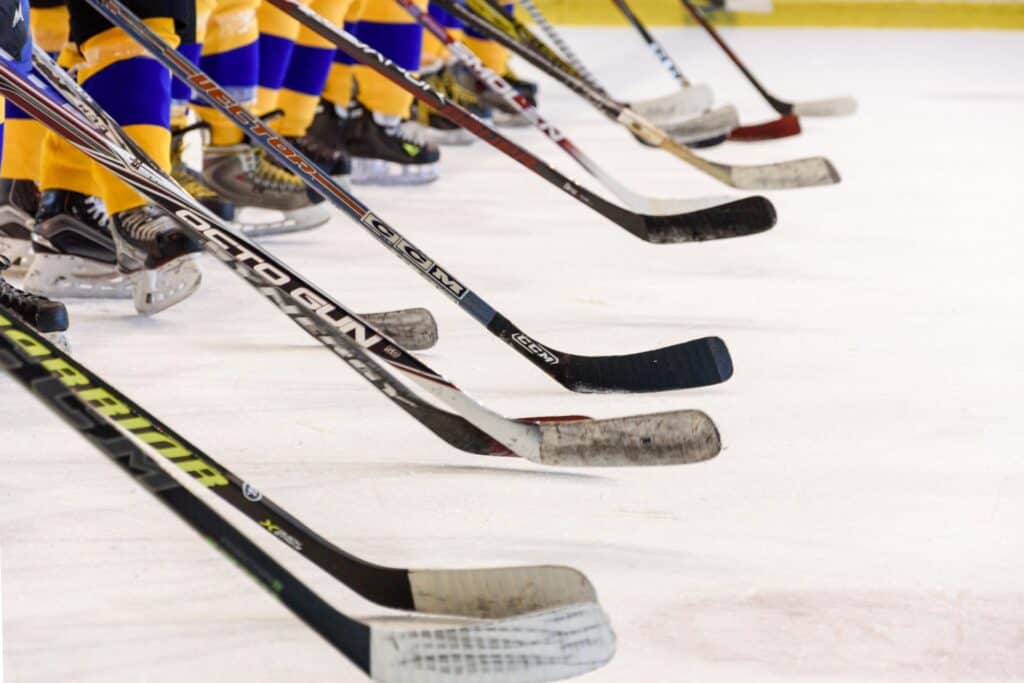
(518, 102)
(784, 126)
(696, 222)
(494, 23)
(543, 622)
(667, 438)
(689, 364)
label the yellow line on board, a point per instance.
(853, 13)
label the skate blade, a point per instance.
(19, 252)
(380, 172)
(61, 276)
(60, 340)
(158, 289)
(254, 222)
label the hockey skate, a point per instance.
(73, 251)
(246, 177)
(528, 89)
(193, 181)
(158, 254)
(19, 201)
(49, 317)
(386, 150)
(435, 128)
(323, 144)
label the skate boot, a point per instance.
(19, 201)
(49, 317)
(157, 254)
(435, 128)
(469, 86)
(73, 251)
(387, 151)
(248, 178)
(323, 143)
(194, 182)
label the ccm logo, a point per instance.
(416, 257)
(534, 348)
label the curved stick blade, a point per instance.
(782, 127)
(674, 438)
(836, 106)
(678, 105)
(499, 592)
(784, 175)
(747, 216)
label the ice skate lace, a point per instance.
(96, 212)
(270, 176)
(145, 224)
(409, 131)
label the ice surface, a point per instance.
(864, 521)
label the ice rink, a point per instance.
(864, 521)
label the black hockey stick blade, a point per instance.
(747, 216)
(688, 365)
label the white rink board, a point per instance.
(862, 523)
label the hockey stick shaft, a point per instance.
(655, 46)
(51, 376)
(574, 61)
(779, 106)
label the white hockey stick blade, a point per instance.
(710, 124)
(784, 175)
(534, 648)
(677, 106)
(837, 106)
(413, 328)
(500, 592)
(674, 438)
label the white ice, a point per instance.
(865, 520)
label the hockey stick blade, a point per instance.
(676, 106)
(672, 438)
(785, 175)
(536, 648)
(739, 218)
(712, 124)
(782, 127)
(696, 363)
(413, 328)
(836, 106)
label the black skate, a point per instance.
(49, 317)
(73, 251)
(19, 201)
(528, 89)
(255, 184)
(323, 143)
(387, 151)
(157, 254)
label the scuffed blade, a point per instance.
(785, 175)
(413, 328)
(673, 438)
(837, 106)
(534, 648)
(719, 121)
(680, 104)
(500, 592)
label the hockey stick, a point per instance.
(695, 363)
(562, 46)
(542, 646)
(502, 88)
(836, 106)
(668, 438)
(482, 593)
(788, 174)
(785, 126)
(749, 215)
